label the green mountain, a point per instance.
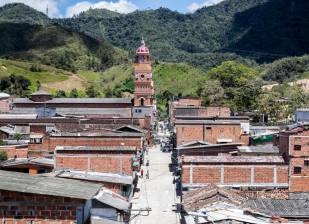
(98, 13)
(264, 30)
(20, 13)
(57, 46)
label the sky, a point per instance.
(68, 8)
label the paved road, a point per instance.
(157, 192)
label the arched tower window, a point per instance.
(142, 102)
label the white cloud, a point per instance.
(40, 5)
(121, 6)
(195, 6)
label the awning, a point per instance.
(36, 136)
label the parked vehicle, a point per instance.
(166, 148)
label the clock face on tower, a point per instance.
(142, 77)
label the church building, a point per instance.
(144, 99)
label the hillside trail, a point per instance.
(73, 82)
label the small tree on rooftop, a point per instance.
(3, 156)
(17, 137)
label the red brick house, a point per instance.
(240, 171)
(294, 146)
(37, 199)
(43, 143)
(104, 159)
(212, 130)
(15, 151)
(191, 107)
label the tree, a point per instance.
(74, 93)
(240, 82)
(211, 93)
(60, 94)
(92, 92)
(15, 85)
(38, 85)
(17, 137)
(35, 68)
(268, 104)
(3, 156)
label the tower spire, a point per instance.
(143, 41)
(47, 10)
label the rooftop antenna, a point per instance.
(47, 10)
(143, 41)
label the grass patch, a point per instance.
(47, 74)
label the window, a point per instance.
(297, 170)
(306, 162)
(36, 140)
(297, 147)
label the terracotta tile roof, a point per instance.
(202, 197)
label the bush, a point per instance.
(36, 68)
(3, 156)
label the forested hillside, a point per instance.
(261, 29)
(57, 46)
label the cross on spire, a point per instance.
(143, 41)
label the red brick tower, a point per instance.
(144, 91)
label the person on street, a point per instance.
(142, 173)
(147, 174)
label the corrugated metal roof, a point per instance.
(77, 100)
(8, 130)
(98, 134)
(4, 95)
(20, 182)
(209, 122)
(229, 159)
(265, 149)
(28, 161)
(95, 148)
(18, 116)
(283, 208)
(112, 199)
(205, 146)
(95, 176)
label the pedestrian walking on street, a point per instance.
(147, 174)
(142, 173)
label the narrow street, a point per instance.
(158, 192)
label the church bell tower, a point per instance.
(144, 91)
